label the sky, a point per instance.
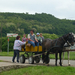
(63, 9)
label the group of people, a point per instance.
(32, 39)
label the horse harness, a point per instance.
(58, 45)
(66, 42)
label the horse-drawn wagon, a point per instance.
(49, 46)
(31, 53)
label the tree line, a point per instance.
(44, 23)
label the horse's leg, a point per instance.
(47, 58)
(63, 58)
(43, 55)
(56, 58)
(43, 58)
(60, 53)
(68, 58)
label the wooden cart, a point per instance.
(31, 53)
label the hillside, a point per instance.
(44, 23)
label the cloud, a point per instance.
(58, 8)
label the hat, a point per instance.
(37, 34)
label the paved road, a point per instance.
(52, 61)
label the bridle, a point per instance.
(66, 41)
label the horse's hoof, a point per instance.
(61, 65)
(55, 64)
(69, 64)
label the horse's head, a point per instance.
(70, 38)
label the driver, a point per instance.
(32, 39)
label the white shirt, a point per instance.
(32, 35)
(18, 44)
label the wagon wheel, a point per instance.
(37, 59)
(22, 59)
(47, 60)
(31, 60)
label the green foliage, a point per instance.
(50, 36)
(43, 23)
(5, 43)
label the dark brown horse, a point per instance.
(56, 46)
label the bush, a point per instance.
(5, 43)
(50, 36)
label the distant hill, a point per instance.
(45, 23)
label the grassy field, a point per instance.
(52, 56)
(9, 54)
(41, 70)
(72, 56)
(1, 61)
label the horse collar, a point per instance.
(63, 39)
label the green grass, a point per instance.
(9, 54)
(72, 56)
(52, 56)
(1, 61)
(41, 70)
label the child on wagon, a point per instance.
(39, 38)
(24, 39)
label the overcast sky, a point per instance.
(59, 8)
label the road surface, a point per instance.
(51, 63)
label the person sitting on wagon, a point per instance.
(24, 39)
(17, 48)
(32, 39)
(39, 38)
